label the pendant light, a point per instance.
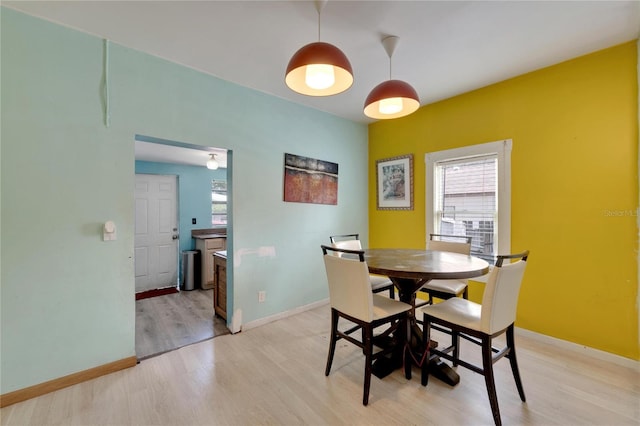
(392, 98)
(319, 69)
(212, 163)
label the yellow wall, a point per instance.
(574, 189)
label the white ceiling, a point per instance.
(163, 153)
(446, 47)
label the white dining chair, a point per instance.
(379, 283)
(446, 289)
(351, 299)
(480, 324)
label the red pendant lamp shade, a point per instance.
(392, 98)
(335, 73)
(319, 69)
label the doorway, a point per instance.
(170, 321)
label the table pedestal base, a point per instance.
(384, 366)
(444, 372)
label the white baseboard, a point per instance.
(285, 314)
(585, 350)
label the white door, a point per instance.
(156, 228)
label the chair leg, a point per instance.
(426, 333)
(455, 342)
(332, 340)
(487, 365)
(514, 363)
(465, 293)
(406, 347)
(392, 292)
(367, 331)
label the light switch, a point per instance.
(109, 231)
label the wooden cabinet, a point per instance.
(208, 247)
(220, 278)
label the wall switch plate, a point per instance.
(193, 221)
(262, 295)
(109, 231)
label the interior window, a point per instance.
(469, 194)
(218, 202)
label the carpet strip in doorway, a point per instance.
(156, 292)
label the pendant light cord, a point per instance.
(107, 103)
(319, 6)
(389, 44)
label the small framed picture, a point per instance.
(394, 178)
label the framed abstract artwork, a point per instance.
(307, 180)
(394, 183)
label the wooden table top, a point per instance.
(424, 264)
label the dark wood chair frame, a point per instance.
(490, 354)
(390, 288)
(387, 341)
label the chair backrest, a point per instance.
(500, 299)
(349, 285)
(451, 243)
(348, 241)
(335, 238)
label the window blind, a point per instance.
(465, 201)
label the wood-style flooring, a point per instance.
(274, 375)
(171, 321)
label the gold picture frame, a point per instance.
(394, 183)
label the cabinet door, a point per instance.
(207, 280)
(207, 249)
(215, 243)
(220, 289)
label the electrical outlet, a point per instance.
(262, 295)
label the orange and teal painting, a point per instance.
(307, 180)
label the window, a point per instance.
(469, 194)
(218, 202)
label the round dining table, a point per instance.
(410, 269)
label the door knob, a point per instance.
(175, 237)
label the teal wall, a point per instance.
(67, 297)
(194, 195)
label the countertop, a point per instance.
(208, 236)
(208, 233)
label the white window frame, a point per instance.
(503, 151)
(226, 203)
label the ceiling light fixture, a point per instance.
(392, 98)
(319, 69)
(212, 163)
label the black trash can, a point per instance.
(189, 261)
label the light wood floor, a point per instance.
(168, 322)
(274, 375)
